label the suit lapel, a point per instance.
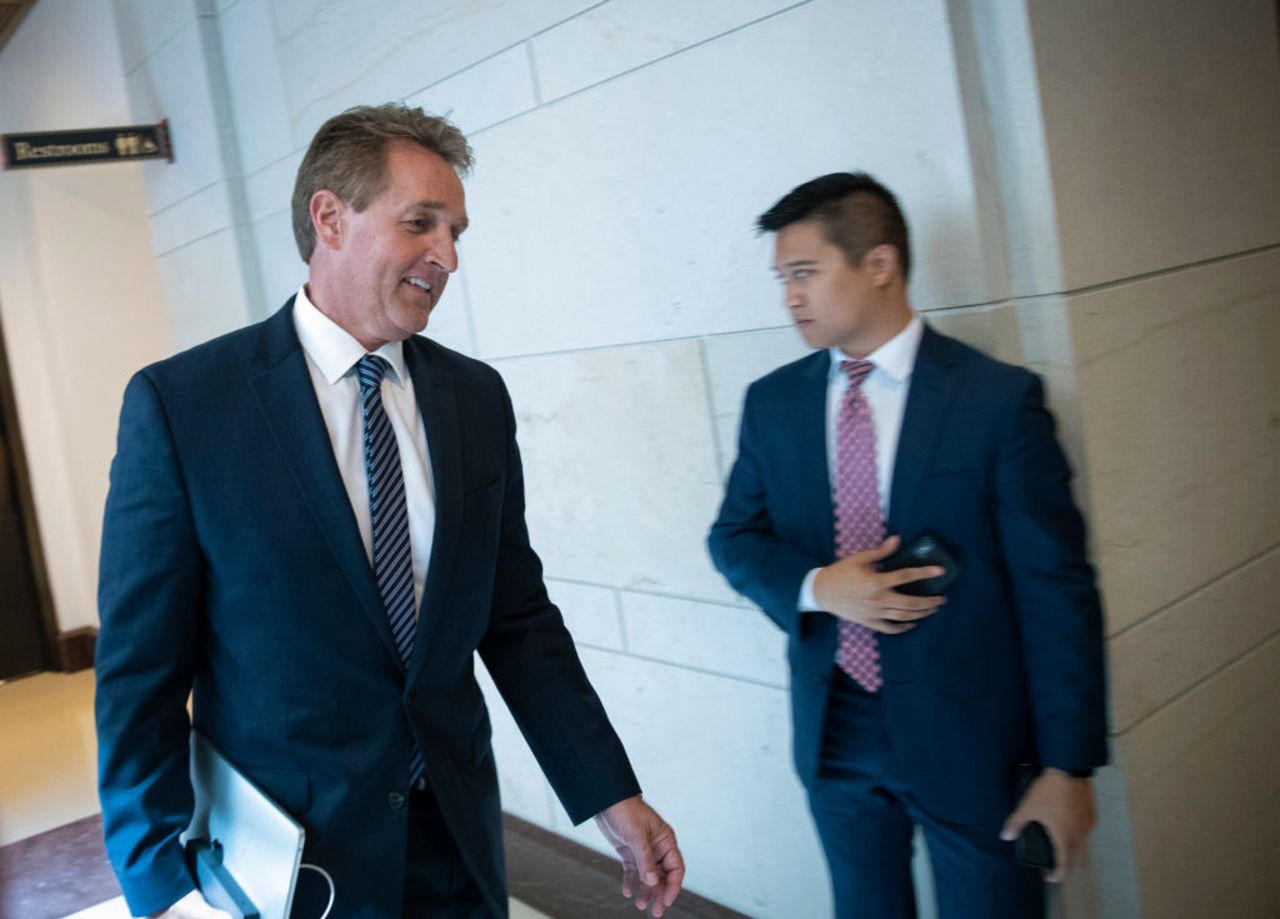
(928, 397)
(808, 410)
(282, 384)
(433, 388)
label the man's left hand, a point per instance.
(1064, 805)
(652, 868)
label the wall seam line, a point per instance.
(712, 417)
(191, 242)
(688, 598)
(1198, 589)
(533, 72)
(1259, 648)
(186, 198)
(678, 665)
(473, 64)
(1001, 302)
(698, 44)
(1155, 274)
(164, 44)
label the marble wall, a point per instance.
(1092, 192)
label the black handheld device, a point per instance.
(925, 549)
(1033, 848)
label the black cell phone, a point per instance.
(925, 549)
(1033, 849)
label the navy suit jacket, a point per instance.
(1010, 669)
(232, 567)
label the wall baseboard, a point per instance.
(75, 649)
(560, 877)
(65, 870)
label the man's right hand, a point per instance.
(192, 906)
(853, 589)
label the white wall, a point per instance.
(79, 296)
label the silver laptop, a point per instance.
(259, 843)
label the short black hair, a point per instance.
(855, 212)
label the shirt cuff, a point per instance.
(808, 602)
(1074, 773)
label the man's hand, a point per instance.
(853, 589)
(1064, 805)
(192, 906)
(652, 869)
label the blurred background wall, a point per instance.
(1093, 191)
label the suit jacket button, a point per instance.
(396, 800)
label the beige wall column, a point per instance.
(1153, 294)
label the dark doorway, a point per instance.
(24, 641)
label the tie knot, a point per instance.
(857, 370)
(371, 369)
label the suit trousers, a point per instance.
(866, 817)
(437, 883)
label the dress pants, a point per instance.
(865, 819)
(437, 883)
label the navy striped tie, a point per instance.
(392, 553)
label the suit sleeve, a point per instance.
(532, 659)
(1059, 612)
(149, 595)
(744, 545)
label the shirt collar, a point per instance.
(896, 358)
(332, 349)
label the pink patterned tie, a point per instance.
(859, 520)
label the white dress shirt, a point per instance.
(885, 389)
(332, 355)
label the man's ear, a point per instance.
(328, 217)
(882, 264)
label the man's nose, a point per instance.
(791, 296)
(443, 250)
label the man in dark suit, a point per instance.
(914, 710)
(313, 524)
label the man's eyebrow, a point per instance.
(426, 206)
(458, 226)
(795, 263)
